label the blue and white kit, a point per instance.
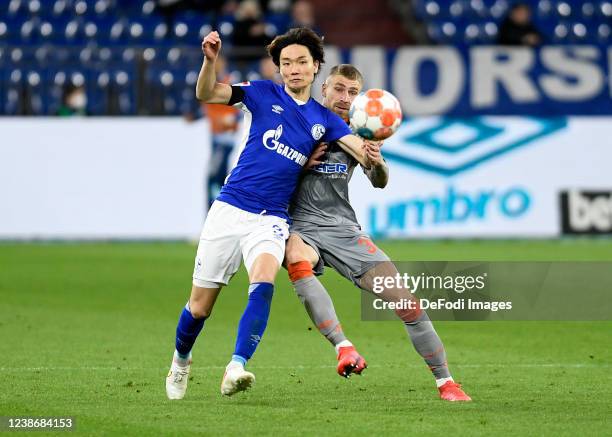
(250, 214)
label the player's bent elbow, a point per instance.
(203, 96)
(380, 182)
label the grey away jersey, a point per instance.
(322, 197)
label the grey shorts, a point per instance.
(349, 251)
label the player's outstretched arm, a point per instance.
(378, 173)
(207, 87)
(355, 146)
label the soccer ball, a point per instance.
(375, 114)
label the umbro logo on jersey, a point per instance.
(277, 109)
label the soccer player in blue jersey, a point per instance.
(249, 218)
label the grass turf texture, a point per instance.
(88, 331)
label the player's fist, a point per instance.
(211, 45)
(316, 156)
(372, 151)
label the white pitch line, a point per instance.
(300, 367)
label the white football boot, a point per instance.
(177, 379)
(236, 379)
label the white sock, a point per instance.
(233, 363)
(343, 343)
(182, 362)
(440, 382)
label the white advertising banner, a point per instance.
(102, 178)
(484, 176)
(143, 178)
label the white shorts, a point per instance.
(230, 233)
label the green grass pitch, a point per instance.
(87, 330)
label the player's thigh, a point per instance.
(264, 268)
(350, 253)
(267, 237)
(218, 254)
(298, 250)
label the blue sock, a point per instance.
(187, 331)
(254, 320)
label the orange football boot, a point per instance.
(349, 361)
(451, 391)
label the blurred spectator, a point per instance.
(517, 28)
(250, 29)
(215, 6)
(268, 70)
(277, 6)
(302, 15)
(74, 101)
(168, 8)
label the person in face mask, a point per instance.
(74, 101)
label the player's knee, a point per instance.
(199, 309)
(293, 252)
(411, 314)
(202, 299)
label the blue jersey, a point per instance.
(279, 137)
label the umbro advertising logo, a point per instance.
(448, 146)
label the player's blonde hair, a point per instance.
(346, 70)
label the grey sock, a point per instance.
(428, 344)
(320, 308)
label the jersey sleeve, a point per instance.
(250, 94)
(336, 128)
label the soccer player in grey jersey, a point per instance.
(325, 231)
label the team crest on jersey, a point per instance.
(317, 131)
(277, 109)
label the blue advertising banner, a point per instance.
(490, 80)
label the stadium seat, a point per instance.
(605, 9)
(17, 8)
(60, 9)
(190, 27)
(603, 32)
(225, 25)
(142, 31)
(4, 31)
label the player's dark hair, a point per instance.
(348, 71)
(299, 35)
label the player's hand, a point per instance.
(316, 156)
(211, 45)
(372, 152)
